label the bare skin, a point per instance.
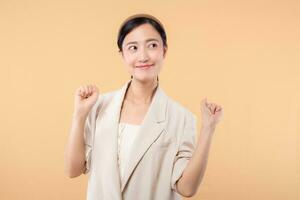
(137, 102)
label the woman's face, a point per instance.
(143, 52)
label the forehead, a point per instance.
(141, 34)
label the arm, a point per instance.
(193, 173)
(75, 149)
(192, 176)
(76, 160)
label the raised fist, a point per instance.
(85, 97)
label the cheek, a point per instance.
(129, 59)
(158, 56)
(159, 53)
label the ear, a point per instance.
(165, 51)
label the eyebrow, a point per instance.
(148, 40)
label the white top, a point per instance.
(126, 136)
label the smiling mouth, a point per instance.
(144, 66)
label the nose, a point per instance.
(143, 56)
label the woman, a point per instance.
(136, 142)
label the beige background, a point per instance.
(243, 55)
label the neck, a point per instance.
(141, 92)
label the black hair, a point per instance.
(136, 20)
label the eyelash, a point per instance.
(129, 48)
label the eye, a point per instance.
(153, 45)
(132, 48)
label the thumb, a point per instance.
(204, 102)
(204, 106)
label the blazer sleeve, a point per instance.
(186, 148)
(89, 132)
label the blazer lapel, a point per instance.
(110, 139)
(150, 130)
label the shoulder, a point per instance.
(176, 108)
(181, 122)
(102, 101)
(106, 96)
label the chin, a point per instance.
(144, 79)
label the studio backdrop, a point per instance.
(243, 55)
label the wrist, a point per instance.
(208, 128)
(79, 116)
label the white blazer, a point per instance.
(163, 147)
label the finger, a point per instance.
(85, 91)
(214, 106)
(81, 91)
(205, 106)
(208, 107)
(214, 109)
(204, 102)
(95, 88)
(211, 108)
(77, 92)
(219, 108)
(90, 90)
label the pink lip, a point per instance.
(144, 66)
